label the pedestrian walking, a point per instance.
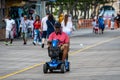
(67, 26)
(50, 25)
(118, 19)
(20, 26)
(61, 17)
(44, 29)
(24, 29)
(10, 24)
(37, 30)
(31, 26)
(93, 24)
(112, 22)
(101, 24)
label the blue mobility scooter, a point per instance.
(56, 63)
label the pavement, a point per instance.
(81, 31)
(92, 57)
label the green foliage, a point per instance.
(82, 5)
(56, 11)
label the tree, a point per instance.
(76, 6)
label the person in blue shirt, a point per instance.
(50, 24)
(101, 23)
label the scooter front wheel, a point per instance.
(68, 67)
(45, 68)
(62, 68)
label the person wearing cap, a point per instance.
(24, 25)
(63, 40)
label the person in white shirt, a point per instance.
(31, 27)
(94, 24)
(24, 30)
(10, 24)
(112, 22)
(67, 25)
(44, 29)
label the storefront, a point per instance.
(9, 7)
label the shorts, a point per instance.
(24, 35)
(44, 34)
(9, 34)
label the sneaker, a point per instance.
(42, 46)
(6, 43)
(34, 43)
(102, 32)
(24, 43)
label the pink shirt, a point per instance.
(63, 37)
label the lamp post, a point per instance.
(41, 7)
(119, 5)
(38, 8)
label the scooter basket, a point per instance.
(54, 52)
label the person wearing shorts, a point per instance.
(44, 29)
(24, 25)
(10, 23)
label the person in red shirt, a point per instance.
(63, 40)
(37, 30)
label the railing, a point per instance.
(84, 23)
(87, 23)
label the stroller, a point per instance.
(56, 62)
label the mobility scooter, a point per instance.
(56, 62)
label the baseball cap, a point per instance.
(25, 15)
(57, 25)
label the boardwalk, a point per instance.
(92, 57)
